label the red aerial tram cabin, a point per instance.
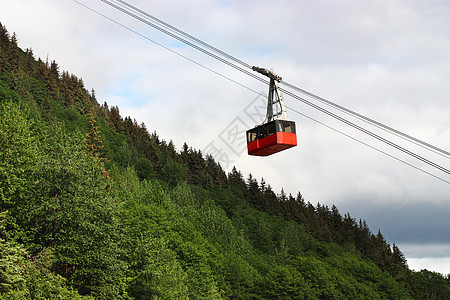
(272, 137)
(276, 133)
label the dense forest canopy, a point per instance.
(95, 205)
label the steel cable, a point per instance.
(368, 145)
(174, 34)
(185, 34)
(387, 128)
(375, 123)
(368, 132)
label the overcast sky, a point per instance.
(388, 60)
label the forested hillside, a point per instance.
(94, 205)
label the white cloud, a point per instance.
(433, 257)
(440, 265)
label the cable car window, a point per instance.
(292, 127)
(271, 128)
(251, 135)
(289, 127)
(262, 132)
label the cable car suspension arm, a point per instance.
(275, 97)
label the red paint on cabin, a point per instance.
(273, 143)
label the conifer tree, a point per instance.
(94, 146)
(253, 192)
(399, 260)
(215, 171)
(236, 179)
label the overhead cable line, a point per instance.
(323, 100)
(125, 6)
(370, 146)
(416, 141)
(167, 30)
(181, 39)
(185, 34)
(163, 46)
(368, 132)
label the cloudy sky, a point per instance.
(388, 60)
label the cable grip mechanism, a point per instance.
(274, 98)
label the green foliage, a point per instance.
(5, 92)
(144, 168)
(76, 216)
(294, 238)
(41, 283)
(25, 278)
(172, 171)
(11, 257)
(286, 282)
(156, 272)
(429, 285)
(18, 154)
(57, 197)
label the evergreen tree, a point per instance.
(236, 180)
(216, 172)
(399, 263)
(253, 192)
(94, 146)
